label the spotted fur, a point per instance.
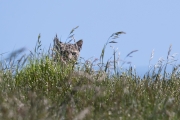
(67, 51)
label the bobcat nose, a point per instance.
(70, 56)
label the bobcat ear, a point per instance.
(79, 44)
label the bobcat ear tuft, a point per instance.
(79, 44)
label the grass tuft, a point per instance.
(36, 87)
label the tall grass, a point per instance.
(35, 87)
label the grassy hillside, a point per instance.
(34, 87)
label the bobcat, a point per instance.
(66, 51)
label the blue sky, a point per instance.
(153, 24)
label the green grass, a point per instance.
(37, 88)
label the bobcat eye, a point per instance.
(73, 53)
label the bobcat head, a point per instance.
(67, 51)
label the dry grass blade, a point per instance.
(71, 36)
(149, 66)
(38, 44)
(106, 67)
(117, 34)
(114, 35)
(131, 53)
(21, 59)
(128, 55)
(113, 41)
(49, 50)
(17, 52)
(175, 69)
(169, 60)
(3, 53)
(121, 32)
(169, 51)
(152, 55)
(73, 29)
(102, 53)
(39, 36)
